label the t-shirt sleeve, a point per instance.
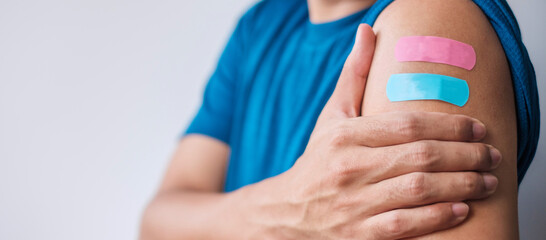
(214, 117)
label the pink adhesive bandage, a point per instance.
(436, 50)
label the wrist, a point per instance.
(265, 209)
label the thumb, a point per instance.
(347, 98)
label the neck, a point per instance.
(321, 11)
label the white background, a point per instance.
(93, 95)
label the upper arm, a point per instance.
(198, 164)
(491, 97)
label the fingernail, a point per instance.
(478, 130)
(490, 182)
(495, 157)
(460, 210)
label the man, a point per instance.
(372, 168)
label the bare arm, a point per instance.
(491, 99)
(333, 191)
(190, 203)
(189, 196)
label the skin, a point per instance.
(321, 11)
(360, 177)
(491, 97)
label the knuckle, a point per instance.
(425, 155)
(340, 169)
(409, 126)
(340, 135)
(462, 128)
(334, 179)
(416, 187)
(346, 231)
(341, 173)
(437, 215)
(480, 156)
(394, 225)
(471, 182)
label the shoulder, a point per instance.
(461, 19)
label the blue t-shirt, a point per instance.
(278, 70)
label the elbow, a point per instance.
(149, 222)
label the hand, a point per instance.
(386, 176)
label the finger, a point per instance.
(429, 156)
(416, 189)
(347, 97)
(404, 223)
(403, 127)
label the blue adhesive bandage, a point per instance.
(425, 86)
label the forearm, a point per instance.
(243, 214)
(191, 215)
